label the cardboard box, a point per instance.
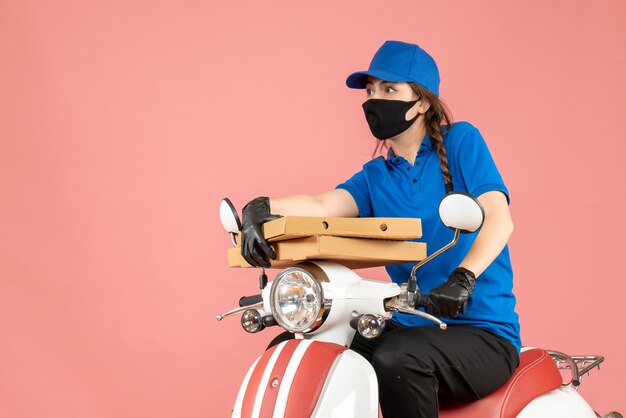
(351, 252)
(292, 227)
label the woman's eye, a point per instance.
(369, 92)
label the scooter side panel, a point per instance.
(351, 389)
(564, 402)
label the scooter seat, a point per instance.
(535, 375)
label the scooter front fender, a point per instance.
(303, 378)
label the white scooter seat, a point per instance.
(536, 375)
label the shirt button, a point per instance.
(417, 162)
(414, 180)
(408, 168)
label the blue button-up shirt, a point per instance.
(394, 188)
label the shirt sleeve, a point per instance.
(357, 187)
(477, 167)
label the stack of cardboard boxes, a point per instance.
(353, 242)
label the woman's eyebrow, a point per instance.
(382, 82)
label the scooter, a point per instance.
(325, 303)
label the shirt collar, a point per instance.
(426, 145)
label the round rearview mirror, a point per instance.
(461, 211)
(228, 216)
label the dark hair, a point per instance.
(436, 113)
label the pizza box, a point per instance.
(351, 252)
(291, 227)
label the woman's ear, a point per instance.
(421, 106)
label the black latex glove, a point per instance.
(450, 298)
(254, 247)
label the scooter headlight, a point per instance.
(297, 299)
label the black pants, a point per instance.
(420, 368)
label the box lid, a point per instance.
(290, 227)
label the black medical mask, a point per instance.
(386, 117)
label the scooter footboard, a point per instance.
(303, 378)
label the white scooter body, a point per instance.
(563, 402)
(316, 375)
(350, 388)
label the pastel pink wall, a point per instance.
(122, 125)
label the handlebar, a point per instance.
(246, 302)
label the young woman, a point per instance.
(418, 366)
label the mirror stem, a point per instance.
(233, 239)
(262, 279)
(441, 250)
(411, 290)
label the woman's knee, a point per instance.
(404, 349)
(391, 356)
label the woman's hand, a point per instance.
(254, 247)
(451, 297)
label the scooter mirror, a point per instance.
(461, 211)
(228, 216)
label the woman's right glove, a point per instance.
(450, 298)
(254, 247)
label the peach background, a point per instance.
(122, 124)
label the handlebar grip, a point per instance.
(250, 300)
(421, 301)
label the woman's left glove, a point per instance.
(452, 296)
(254, 247)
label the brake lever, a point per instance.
(395, 304)
(238, 310)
